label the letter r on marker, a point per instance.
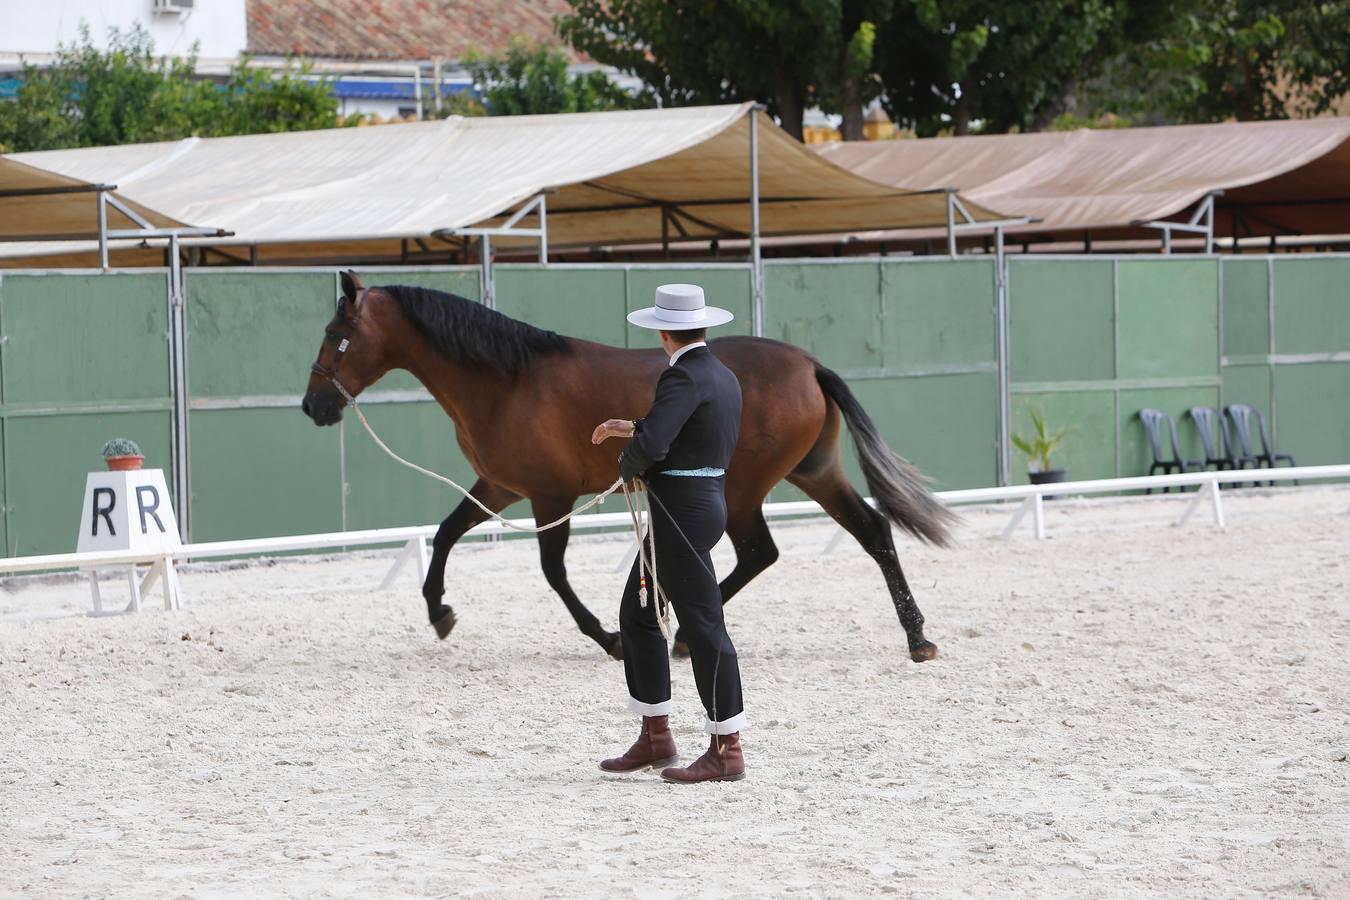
(150, 509)
(104, 511)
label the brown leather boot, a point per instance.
(722, 762)
(655, 747)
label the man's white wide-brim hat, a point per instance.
(679, 307)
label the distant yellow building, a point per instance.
(877, 126)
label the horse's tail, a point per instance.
(899, 489)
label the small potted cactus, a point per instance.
(122, 455)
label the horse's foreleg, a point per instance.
(871, 529)
(552, 550)
(755, 552)
(465, 516)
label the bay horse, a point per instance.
(524, 402)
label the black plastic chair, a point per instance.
(1153, 420)
(1242, 415)
(1210, 421)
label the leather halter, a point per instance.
(332, 374)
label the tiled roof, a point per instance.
(398, 29)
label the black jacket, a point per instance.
(694, 422)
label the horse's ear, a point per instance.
(351, 284)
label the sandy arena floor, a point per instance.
(1124, 709)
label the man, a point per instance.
(681, 449)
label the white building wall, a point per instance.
(40, 26)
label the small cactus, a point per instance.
(120, 447)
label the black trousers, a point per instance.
(698, 506)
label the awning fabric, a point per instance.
(1280, 177)
(322, 195)
(38, 205)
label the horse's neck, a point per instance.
(467, 393)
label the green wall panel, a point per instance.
(833, 310)
(85, 338)
(1061, 320)
(1310, 409)
(46, 460)
(5, 548)
(1135, 454)
(1312, 305)
(1249, 385)
(1089, 449)
(383, 494)
(255, 333)
(262, 473)
(728, 288)
(944, 424)
(1169, 318)
(1246, 307)
(583, 303)
(938, 314)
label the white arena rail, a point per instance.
(414, 538)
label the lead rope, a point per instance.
(531, 529)
(647, 587)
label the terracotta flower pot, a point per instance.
(124, 463)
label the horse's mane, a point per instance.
(472, 333)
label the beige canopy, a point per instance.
(37, 205)
(396, 192)
(1283, 177)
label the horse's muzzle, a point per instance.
(324, 407)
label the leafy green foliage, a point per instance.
(529, 79)
(92, 97)
(120, 447)
(1041, 443)
(1243, 59)
(788, 54)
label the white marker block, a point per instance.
(127, 511)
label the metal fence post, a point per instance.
(1004, 368)
(756, 261)
(182, 464)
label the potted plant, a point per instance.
(1037, 449)
(122, 455)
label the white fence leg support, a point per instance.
(1210, 490)
(1022, 509)
(94, 592)
(627, 561)
(1216, 504)
(173, 597)
(835, 540)
(416, 550)
(1038, 515)
(134, 583)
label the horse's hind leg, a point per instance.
(755, 552)
(832, 491)
(465, 516)
(552, 549)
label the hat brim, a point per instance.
(648, 318)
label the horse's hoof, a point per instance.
(445, 624)
(923, 651)
(679, 649)
(614, 645)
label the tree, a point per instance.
(1240, 59)
(91, 98)
(1005, 66)
(787, 54)
(532, 78)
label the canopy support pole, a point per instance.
(103, 230)
(489, 290)
(951, 222)
(756, 260)
(1200, 222)
(182, 466)
(1004, 387)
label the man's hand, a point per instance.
(620, 428)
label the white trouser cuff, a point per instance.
(734, 725)
(648, 709)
